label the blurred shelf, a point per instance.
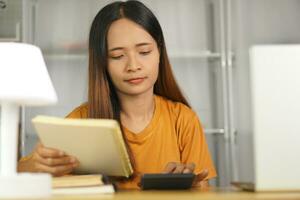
(81, 54)
(66, 56)
(214, 131)
(205, 54)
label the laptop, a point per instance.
(275, 93)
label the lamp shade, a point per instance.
(24, 78)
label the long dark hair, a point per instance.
(102, 98)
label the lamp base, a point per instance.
(25, 185)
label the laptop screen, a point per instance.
(275, 91)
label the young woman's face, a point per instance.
(133, 58)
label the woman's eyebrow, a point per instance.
(137, 45)
(116, 48)
(142, 44)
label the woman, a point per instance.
(130, 80)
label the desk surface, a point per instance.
(207, 194)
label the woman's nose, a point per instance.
(133, 64)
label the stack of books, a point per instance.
(81, 185)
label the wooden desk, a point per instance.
(209, 194)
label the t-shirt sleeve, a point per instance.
(193, 145)
(79, 112)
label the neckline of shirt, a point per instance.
(147, 131)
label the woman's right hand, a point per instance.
(48, 160)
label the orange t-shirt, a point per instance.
(173, 135)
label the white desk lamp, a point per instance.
(24, 80)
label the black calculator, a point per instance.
(167, 181)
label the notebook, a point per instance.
(275, 90)
(81, 185)
(97, 143)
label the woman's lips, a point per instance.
(135, 80)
